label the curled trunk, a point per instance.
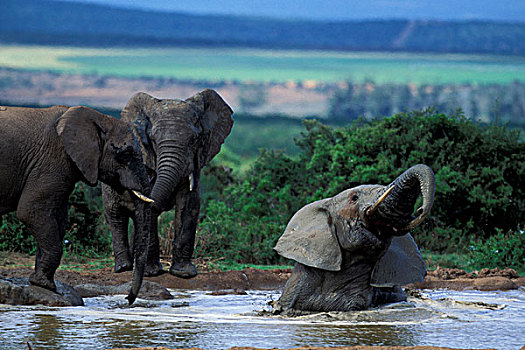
(398, 206)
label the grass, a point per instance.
(266, 65)
(433, 260)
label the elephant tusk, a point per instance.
(192, 181)
(373, 208)
(413, 223)
(416, 221)
(142, 197)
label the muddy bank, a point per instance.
(254, 279)
(484, 280)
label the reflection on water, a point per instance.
(195, 319)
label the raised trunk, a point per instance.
(398, 206)
(171, 163)
(140, 246)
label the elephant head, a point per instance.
(106, 149)
(178, 137)
(356, 240)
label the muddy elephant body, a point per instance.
(44, 152)
(177, 138)
(353, 251)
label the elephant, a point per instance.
(44, 152)
(354, 250)
(177, 138)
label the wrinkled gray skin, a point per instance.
(350, 256)
(44, 152)
(178, 138)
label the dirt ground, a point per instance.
(18, 265)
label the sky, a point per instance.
(498, 10)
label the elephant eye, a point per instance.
(355, 197)
(122, 155)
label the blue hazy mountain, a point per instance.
(89, 24)
(501, 10)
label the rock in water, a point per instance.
(149, 290)
(18, 291)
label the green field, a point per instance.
(266, 65)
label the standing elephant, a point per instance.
(177, 138)
(44, 152)
(354, 250)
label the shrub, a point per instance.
(480, 181)
(500, 250)
(85, 232)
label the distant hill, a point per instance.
(64, 23)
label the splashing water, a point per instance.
(196, 319)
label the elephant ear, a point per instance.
(401, 264)
(217, 121)
(135, 113)
(80, 135)
(309, 238)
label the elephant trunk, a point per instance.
(171, 164)
(140, 246)
(397, 206)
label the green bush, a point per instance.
(499, 250)
(480, 181)
(86, 233)
(14, 236)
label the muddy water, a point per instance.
(195, 319)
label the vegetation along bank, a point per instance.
(477, 219)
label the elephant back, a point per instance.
(401, 264)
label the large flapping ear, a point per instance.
(401, 264)
(138, 112)
(309, 238)
(81, 139)
(216, 118)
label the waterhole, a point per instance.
(468, 319)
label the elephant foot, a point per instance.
(153, 270)
(183, 269)
(121, 266)
(40, 280)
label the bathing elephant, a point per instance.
(353, 250)
(177, 138)
(44, 152)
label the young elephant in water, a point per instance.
(353, 251)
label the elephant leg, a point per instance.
(46, 221)
(387, 295)
(117, 216)
(186, 219)
(119, 236)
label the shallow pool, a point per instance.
(468, 319)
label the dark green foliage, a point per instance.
(14, 236)
(245, 225)
(86, 233)
(501, 249)
(480, 174)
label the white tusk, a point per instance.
(142, 197)
(380, 200)
(192, 181)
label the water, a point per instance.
(196, 319)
